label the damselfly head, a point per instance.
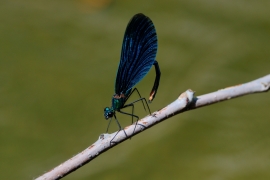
(108, 113)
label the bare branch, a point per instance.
(186, 101)
(256, 86)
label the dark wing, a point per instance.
(138, 53)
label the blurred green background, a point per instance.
(58, 61)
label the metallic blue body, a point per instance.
(137, 57)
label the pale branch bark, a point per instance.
(186, 101)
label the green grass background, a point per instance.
(58, 61)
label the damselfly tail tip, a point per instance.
(152, 96)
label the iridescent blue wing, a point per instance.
(138, 53)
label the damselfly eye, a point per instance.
(108, 113)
